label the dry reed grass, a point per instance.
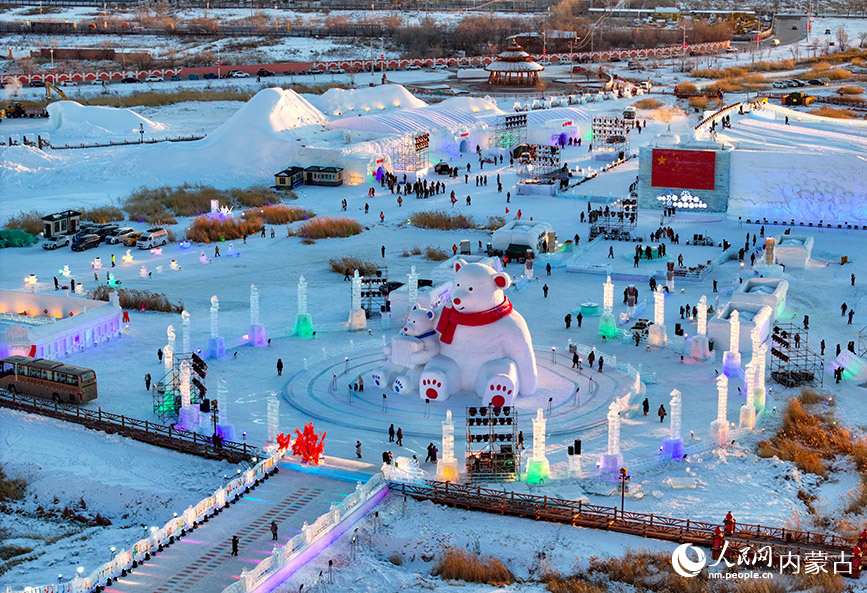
(208, 230)
(850, 90)
(139, 300)
(435, 254)
(328, 227)
(146, 204)
(698, 103)
(440, 219)
(348, 265)
(494, 223)
(103, 214)
(648, 104)
(157, 99)
(279, 214)
(29, 222)
(834, 112)
(461, 565)
(11, 489)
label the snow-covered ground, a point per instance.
(246, 145)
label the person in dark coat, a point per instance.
(661, 413)
(358, 449)
(601, 361)
(645, 406)
(160, 354)
(568, 320)
(148, 382)
(400, 436)
(576, 360)
(279, 367)
(235, 541)
(591, 358)
(391, 433)
(274, 531)
(579, 318)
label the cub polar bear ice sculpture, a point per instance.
(485, 345)
(409, 352)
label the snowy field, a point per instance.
(246, 144)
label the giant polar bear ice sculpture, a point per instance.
(485, 345)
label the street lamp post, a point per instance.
(623, 480)
(53, 77)
(141, 133)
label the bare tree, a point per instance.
(842, 38)
(862, 37)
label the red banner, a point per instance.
(683, 169)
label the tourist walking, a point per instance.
(391, 433)
(274, 531)
(645, 406)
(399, 436)
(279, 367)
(358, 449)
(235, 541)
(661, 413)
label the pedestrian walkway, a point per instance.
(202, 560)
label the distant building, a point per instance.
(289, 178)
(61, 223)
(514, 67)
(331, 176)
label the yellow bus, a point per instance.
(47, 378)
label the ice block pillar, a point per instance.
(699, 345)
(257, 330)
(538, 468)
(273, 423)
(719, 428)
(412, 290)
(447, 465)
(357, 315)
(188, 415)
(303, 320)
(732, 357)
(224, 429)
(656, 335)
(169, 352)
(612, 460)
(607, 324)
(770, 244)
(760, 391)
(185, 333)
(748, 410)
(216, 344)
(672, 447)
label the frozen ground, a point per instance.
(726, 479)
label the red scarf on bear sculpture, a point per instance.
(451, 319)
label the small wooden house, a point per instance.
(289, 178)
(316, 175)
(61, 223)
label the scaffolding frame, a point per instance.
(492, 443)
(619, 222)
(374, 292)
(166, 393)
(793, 365)
(862, 341)
(411, 153)
(610, 134)
(510, 130)
(541, 162)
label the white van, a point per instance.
(152, 238)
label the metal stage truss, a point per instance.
(492, 443)
(793, 363)
(539, 162)
(412, 153)
(610, 135)
(617, 221)
(166, 393)
(510, 130)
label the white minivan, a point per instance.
(152, 238)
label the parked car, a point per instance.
(85, 242)
(154, 78)
(68, 83)
(118, 235)
(208, 76)
(152, 238)
(37, 83)
(129, 79)
(264, 72)
(796, 82)
(336, 71)
(131, 239)
(53, 243)
(313, 71)
(827, 31)
(97, 82)
(814, 82)
(413, 67)
(238, 74)
(104, 230)
(175, 78)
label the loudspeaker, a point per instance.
(570, 450)
(577, 446)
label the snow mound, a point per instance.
(19, 161)
(480, 105)
(336, 102)
(268, 113)
(86, 121)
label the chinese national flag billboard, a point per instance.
(683, 169)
